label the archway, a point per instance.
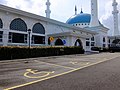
(116, 41)
(59, 42)
(78, 43)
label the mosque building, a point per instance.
(20, 28)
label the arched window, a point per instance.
(1, 23)
(18, 24)
(38, 28)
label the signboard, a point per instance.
(51, 39)
(64, 41)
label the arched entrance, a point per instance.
(59, 42)
(78, 43)
(116, 41)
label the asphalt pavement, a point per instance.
(103, 76)
(68, 72)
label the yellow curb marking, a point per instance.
(34, 73)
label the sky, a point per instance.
(62, 10)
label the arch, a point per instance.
(59, 42)
(18, 24)
(78, 42)
(116, 41)
(38, 28)
(1, 23)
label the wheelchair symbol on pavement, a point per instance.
(35, 74)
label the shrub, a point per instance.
(100, 49)
(7, 53)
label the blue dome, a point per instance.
(79, 18)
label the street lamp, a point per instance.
(29, 31)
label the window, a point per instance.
(109, 41)
(104, 45)
(38, 28)
(87, 43)
(10, 37)
(17, 38)
(92, 39)
(38, 39)
(92, 43)
(18, 24)
(1, 36)
(25, 38)
(1, 24)
(103, 39)
(87, 39)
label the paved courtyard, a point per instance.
(16, 73)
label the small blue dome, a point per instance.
(79, 18)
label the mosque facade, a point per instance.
(20, 28)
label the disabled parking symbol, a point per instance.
(37, 74)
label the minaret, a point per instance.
(75, 10)
(94, 14)
(115, 17)
(47, 11)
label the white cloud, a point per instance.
(33, 6)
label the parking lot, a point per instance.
(19, 73)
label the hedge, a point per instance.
(100, 49)
(114, 49)
(8, 53)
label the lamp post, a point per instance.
(29, 31)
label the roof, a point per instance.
(69, 34)
(38, 17)
(79, 18)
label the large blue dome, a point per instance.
(79, 18)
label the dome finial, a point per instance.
(75, 10)
(81, 10)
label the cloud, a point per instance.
(33, 6)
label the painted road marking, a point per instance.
(55, 64)
(39, 80)
(79, 63)
(35, 74)
(29, 83)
